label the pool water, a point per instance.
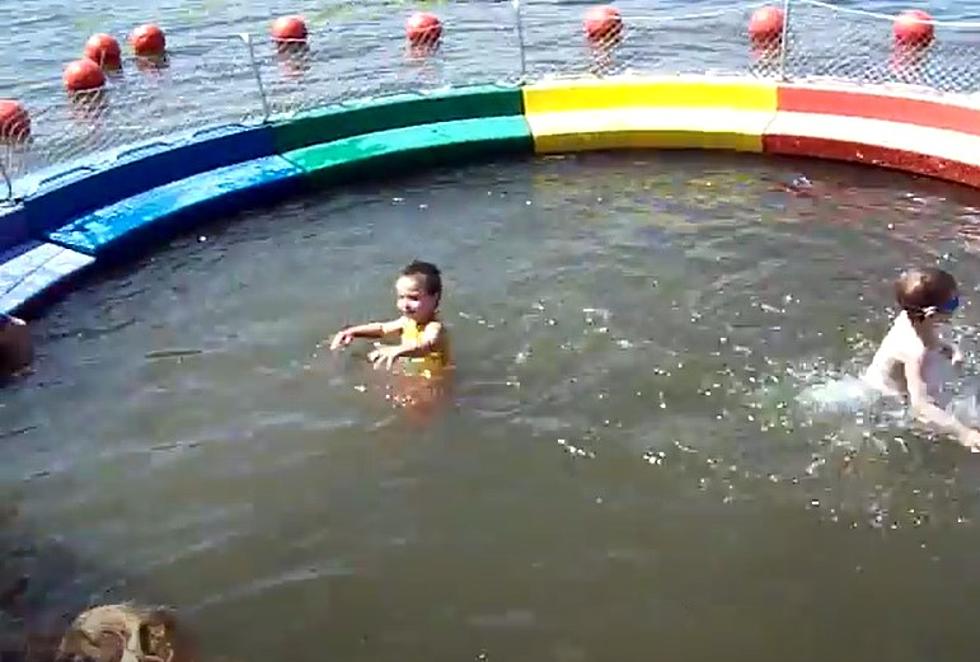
(624, 471)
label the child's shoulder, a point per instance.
(903, 339)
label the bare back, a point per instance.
(901, 346)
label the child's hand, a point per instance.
(386, 354)
(342, 339)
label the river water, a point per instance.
(358, 49)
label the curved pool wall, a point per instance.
(109, 205)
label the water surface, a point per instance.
(623, 472)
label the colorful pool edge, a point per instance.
(111, 205)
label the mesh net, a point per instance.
(147, 99)
(355, 51)
(824, 41)
(364, 54)
(600, 43)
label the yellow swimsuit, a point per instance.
(435, 360)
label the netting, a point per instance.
(205, 85)
(714, 42)
(861, 47)
(368, 55)
(357, 52)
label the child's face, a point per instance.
(412, 299)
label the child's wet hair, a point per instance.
(431, 276)
(919, 291)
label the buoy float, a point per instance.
(289, 29)
(83, 75)
(15, 123)
(766, 25)
(913, 28)
(602, 23)
(148, 41)
(103, 49)
(423, 29)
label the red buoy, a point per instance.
(913, 28)
(83, 75)
(15, 123)
(766, 25)
(148, 41)
(103, 49)
(289, 29)
(602, 23)
(423, 29)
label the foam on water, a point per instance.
(965, 403)
(848, 400)
(846, 395)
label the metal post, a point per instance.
(520, 37)
(784, 41)
(6, 180)
(247, 38)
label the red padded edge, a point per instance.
(884, 157)
(880, 107)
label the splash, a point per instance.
(845, 395)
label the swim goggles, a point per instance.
(949, 307)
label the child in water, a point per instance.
(913, 357)
(423, 340)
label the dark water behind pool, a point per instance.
(624, 473)
(41, 36)
(358, 50)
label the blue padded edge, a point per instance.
(207, 195)
(35, 271)
(66, 191)
(13, 227)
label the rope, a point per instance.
(886, 17)
(716, 13)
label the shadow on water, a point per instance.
(45, 584)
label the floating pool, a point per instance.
(623, 471)
(652, 445)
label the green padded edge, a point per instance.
(411, 147)
(362, 116)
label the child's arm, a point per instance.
(429, 340)
(928, 411)
(369, 330)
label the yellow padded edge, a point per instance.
(689, 92)
(646, 128)
(580, 142)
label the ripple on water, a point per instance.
(626, 410)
